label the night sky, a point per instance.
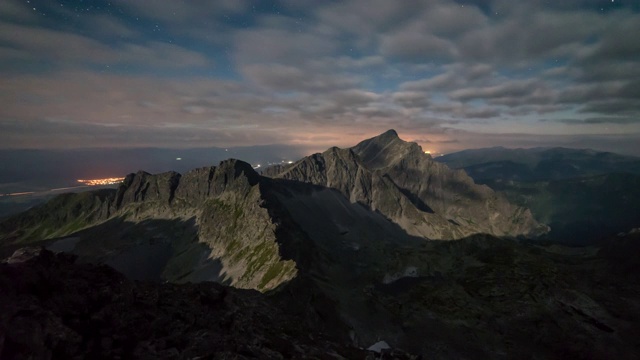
(448, 74)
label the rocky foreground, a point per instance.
(486, 298)
(54, 308)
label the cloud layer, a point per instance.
(448, 74)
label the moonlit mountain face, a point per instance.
(448, 74)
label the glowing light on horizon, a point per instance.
(97, 182)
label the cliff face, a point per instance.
(450, 193)
(426, 198)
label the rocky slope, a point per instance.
(424, 197)
(476, 298)
(52, 307)
(168, 227)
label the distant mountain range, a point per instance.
(583, 195)
(538, 164)
(350, 242)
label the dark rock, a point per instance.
(90, 311)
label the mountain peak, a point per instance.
(384, 149)
(390, 132)
(386, 137)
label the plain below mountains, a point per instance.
(351, 243)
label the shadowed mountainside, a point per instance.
(475, 298)
(51, 306)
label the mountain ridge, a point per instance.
(397, 178)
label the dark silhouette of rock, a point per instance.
(54, 308)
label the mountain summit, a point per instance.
(426, 198)
(384, 149)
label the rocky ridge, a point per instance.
(191, 223)
(424, 197)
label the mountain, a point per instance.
(583, 195)
(426, 198)
(337, 243)
(167, 226)
(538, 164)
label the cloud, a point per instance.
(312, 71)
(17, 11)
(269, 46)
(529, 35)
(411, 99)
(290, 78)
(500, 93)
(415, 46)
(629, 107)
(182, 12)
(615, 43)
(599, 120)
(456, 76)
(64, 49)
(366, 17)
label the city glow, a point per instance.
(96, 182)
